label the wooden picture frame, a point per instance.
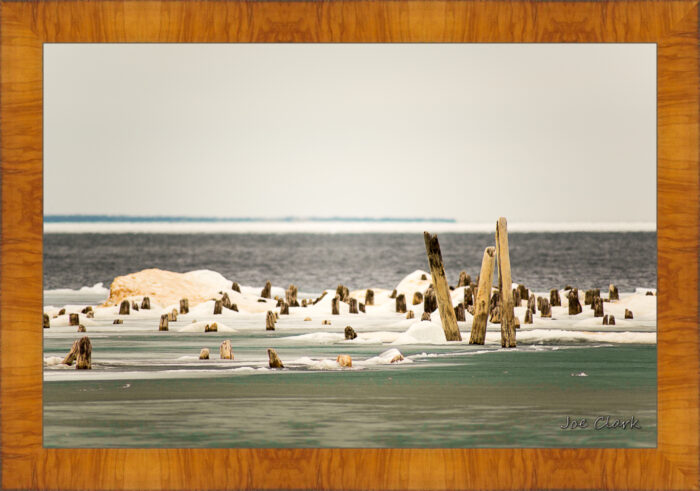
(26, 26)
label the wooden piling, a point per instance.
(217, 307)
(369, 297)
(74, 319)
(274, 359)
(284, 308)
(459, 313)
(545, 309)
(335, 305)
(350, 333)
(124, 307)
(226, 301)
(265, 292)
(401, 304)
(574, 303)
(46, 321)
(225, 350)
(430, 301)
(84, 358)
(410, 315)
(425, 316)
(417, 298)
(184, 306)
(134, 306)
(342, 292)
(629, 314)
(597, 307)
(528, 317)
(270, 321)
(588, 297)
(554, 298)
(163, 326)
(362, 308)
(72, 354)
(483, 297)
(352, 302)
(613, 293)
(517, 301)
(464, 279)
(468, 296)
(236, 287)
(81, 328)
(393, 293)
(172, 316)
(146, 303)
(442, 291)
(532, 303)
(505, 285)
(204, 354)
(291, 296)
(523, 291)
(213, 327)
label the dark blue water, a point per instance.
(317, 261)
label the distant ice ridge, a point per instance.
(97, 289)
(334, 227)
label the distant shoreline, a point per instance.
(189, 225)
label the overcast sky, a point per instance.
(538, 133)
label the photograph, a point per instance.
(350, 245)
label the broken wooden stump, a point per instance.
(517, 301)
(483, 297)
(429, 301)
(369, 297)
(86, 310)
(217, 307)
(532, 303)
(352, 302)
(350, 333)
(326, 322)
(362, 308)
(516, 320)
(423, 277)
(464, 279)
(554, 298)
(172, 316)
(425, 316)
(545, 309)
(84, 357)
(442, 291)
(401, 304)
(597, 307)
(74, 319)
(213, 327)
(319, 298)
(417, 298)
(90, 314)
(72, 354)
(81, 328)
(225, 350)
(574, 303)
(649, 293)
(495, 315)
(284, 308)
(397, 358)
(611, 320)
(226, 301)
(204, 354)
(523, 292)
(539, 303)
(134, 306)
(344, 361)
(528, 317)
(629, 314)
(236, 287)
(290, 296)
(273, 359)
(613, 294)
(117, 321)
(393, 293)
(410, 315)
(124, 307)
(335, 305)
(62, 312)
(504, 285)
(265, 292)
(270, 321)
(468, 296)
(146, 303)
(588, 297)
(184, 306)
(459, 313)
(342, 292)
(46, 321)
(163, 325)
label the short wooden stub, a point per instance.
(425, 316)
(146, 303)
(554, 298)
(417, 298)
(225, 301)
(629, 314)
(74, 319)
(72, 354)
(611, 320)
(184, 306)
(464, 279)
(459, 313)
(588, 297)
(410, 314)
(84, 358)
(369, 297)
(352, 302)
(516, 297)
(172, 316)
(523, 292)
(496, 317)
(163, 326)
(483, 297)
(342, 292)
(90, 314)
(613, 294)
(290, 296)
(213, 327)
(236, 287)
(217, 307)
(528, 317)
(442, 290)
(335, 305)
(545, 309)
(265, 293)
(225, 350)
(430, 301)
(468, 296)
(204, 354)
(344, 361)
(401, 304)
(46, 321)
(574, 303)
(539, 303)
(86, 310)
(117, 321)
(505, 285)
(350, 333)
(270, 321)
(393, 293)
(81, 328)
(597, 307)
(284, 308)
(273, 359)
(362, 308)
(532, 303)
(124, 307)
(62, 312)
(134, 306)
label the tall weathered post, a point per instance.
(505, 285)
(442, 290)
(483, 298)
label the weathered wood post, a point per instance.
(483, 297)
(369, 297)
(265, 293)
(464, 279)
(270, 321)
(516, 298)
(629, 314)
(442, 291)
(217, 307)
(225, 350)
(598, 307)
(72, 354)
(226, 301)
(528, 317)
(554, 298)
(401, 304)
(505, 285)
(523, 291)
(124, 307)
(236, 287)
(393, 293)
(459, 313)
(163, 326)
(425, 316)
(613, 294)
(84, 359)
(284, 308)
(410, 314)
(532, 304)
(342, 292)
(344, 360)
(468, 296)
(546, 308)
(335, 305)
(291, 296)
(273, 359)
(350, 333)
(74, 319)
(574, 303)
(134, 306)
(184, 306)
(352, 302)
(588, 297)
(417, 298)
(81, 328)
(204, 354)
(146, 303)
(46, 321)
(429, 301)
(362, 308)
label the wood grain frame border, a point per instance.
(25, 26)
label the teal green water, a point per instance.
(499, 399)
